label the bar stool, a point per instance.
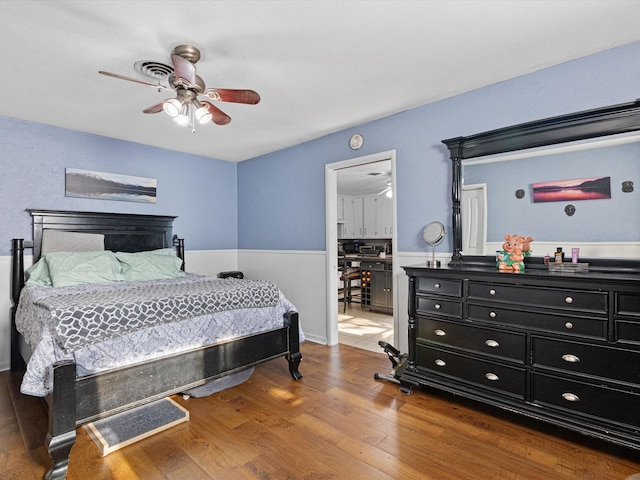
(348, 275)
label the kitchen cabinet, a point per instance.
(378, 214)
(384, 216)
(381, 291)
(358, 217)
(365, 217)
(377, 285)
(369, 217)
(341, 199)
(352, 217)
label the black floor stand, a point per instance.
(396, 358)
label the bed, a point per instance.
(78, 394)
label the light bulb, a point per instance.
(202, 115)
(172, 107)
(182, 120)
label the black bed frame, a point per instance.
(79, 400)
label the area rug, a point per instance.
(118, 431)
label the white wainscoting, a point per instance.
(5, 315)
(204, 262)
(301, 276)
(210, 262)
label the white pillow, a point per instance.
(61, 241)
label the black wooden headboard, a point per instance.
(122, 232)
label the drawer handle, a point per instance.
(568, 300)
(437, 306)
(437, 285)
(492, 343)
(568, 325)
(440, 333)
(571, 397)
(567, 357)
(492, 314)
(492, 292)
(441, 363)
(491, 376)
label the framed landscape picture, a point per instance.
(580, 189)
(109, 186)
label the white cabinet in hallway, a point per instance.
(369, 216)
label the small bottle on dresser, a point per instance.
(559, 255)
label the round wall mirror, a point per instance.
(433, 234)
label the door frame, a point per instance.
(331, 215)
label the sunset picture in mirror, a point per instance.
(580, 189)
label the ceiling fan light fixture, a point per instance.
(182, 118)
(202, 114)
(172, 107)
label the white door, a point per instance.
(474, 219)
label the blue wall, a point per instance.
(593, 221)
(279, 199)
(200, 191)
(295, 219)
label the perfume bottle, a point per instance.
(559, 255)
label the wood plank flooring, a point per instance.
(336, 423)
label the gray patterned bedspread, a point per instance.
(237, 315)
(81, 319)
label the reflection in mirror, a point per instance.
(601, 144)
(595, 226)
(433, 234)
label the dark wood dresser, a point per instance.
(563, 348)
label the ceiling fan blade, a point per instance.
(236, 96)
(155, 108)
(184, 69)
(217, 116)
(130, 79)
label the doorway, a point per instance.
(360, 325)
(474, 214)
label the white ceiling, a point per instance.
(319, 66)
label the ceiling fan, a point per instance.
(187, 108)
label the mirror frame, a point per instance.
(611, 120)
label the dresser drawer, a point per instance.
(438, 306)
(628, 305)
(579, 326)
(438, 286)
(509, 380)
(606, 402)
(509, 345)
(576, 300)
(600, 361)
(628, 332)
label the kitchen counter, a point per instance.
(364, 258)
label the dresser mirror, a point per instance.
(494, 174)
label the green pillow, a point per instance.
(38, 273)
(76, 268)
(155, 265)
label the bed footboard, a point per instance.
(76, 401)
(62, 421)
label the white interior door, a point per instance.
(474, 219)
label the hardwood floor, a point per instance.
(361, 328)
(336, 423)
